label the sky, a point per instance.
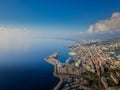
(54, 18)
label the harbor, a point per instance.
(63, 71)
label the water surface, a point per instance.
(22, 65)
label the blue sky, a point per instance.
(55, 15)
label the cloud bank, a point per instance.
(13, 37)
(22, 37)
(111, 25)
(13, 33)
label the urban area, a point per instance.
(93, 65)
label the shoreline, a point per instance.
(59, 84)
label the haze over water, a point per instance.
(22, 67)
(24, 22)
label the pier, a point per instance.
(53, 61)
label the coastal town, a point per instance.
(95, 65)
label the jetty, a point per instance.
(53, 61)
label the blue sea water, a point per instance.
(22, 65)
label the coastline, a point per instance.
(57, 87)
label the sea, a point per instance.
(22, 65)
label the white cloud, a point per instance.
(13, 33)
(107, 26)
(14, 37)
(21, 37)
